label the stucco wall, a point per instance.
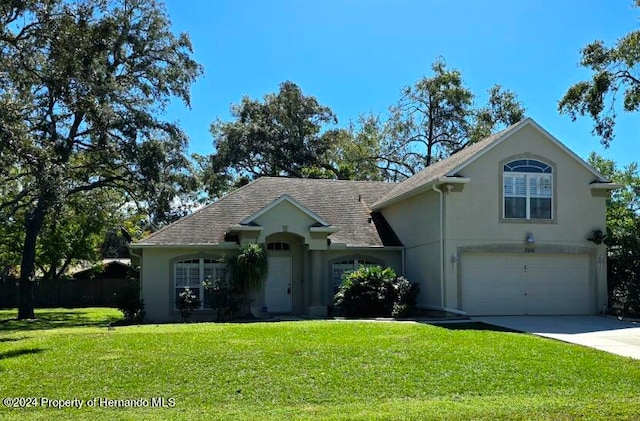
(416, 221)
(158, 284)
(157, 279)
(423, 267)
(475, 213)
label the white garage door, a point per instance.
(517, 284)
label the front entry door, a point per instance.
(278, 285)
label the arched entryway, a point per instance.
(283, 286)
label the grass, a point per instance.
(311, 369)
(59, 318)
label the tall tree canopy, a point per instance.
(354, 154)
(616, 71)
(286, 134)
(437, 116)
(82, 86)
(278, 136)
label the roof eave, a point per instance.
(194, 245)
(513, 130)
(330, 229)
(344, 246)
(245, 228)
(605, 185)
(420, 189)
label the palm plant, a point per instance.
(249, 272)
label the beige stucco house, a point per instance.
(500, 227)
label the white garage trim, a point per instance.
(526, 283)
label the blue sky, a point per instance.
(355, 56)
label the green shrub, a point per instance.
(225, 298)
(187, 302)
(129, 303)
(406, 296)
(372, 291)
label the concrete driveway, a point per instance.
(603, 333)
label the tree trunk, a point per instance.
(33, 224)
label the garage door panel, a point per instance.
(503, 273)
(516, 284)
(558, 285)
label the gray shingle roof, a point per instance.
(342, 203)
(442, 168)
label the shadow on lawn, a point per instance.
(474, 326)
(55, 319)
(18, 352)
(10, 340)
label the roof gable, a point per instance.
(288, 199)
(448, 169)
(529, 122)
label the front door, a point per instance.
(278, 285)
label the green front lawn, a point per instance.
(311, 369)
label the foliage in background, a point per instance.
(437, 117)
(129, 303)
(623, 235)
(355, 153)
(371, 291)
(278, 136)
(286, 134)
(615, 77)
(82, 86)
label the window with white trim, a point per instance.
(192, 274)
(527, 190)
(340, 268)
(278, 246)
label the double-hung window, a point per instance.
(528, 190)
(340, 268)
(193, 273)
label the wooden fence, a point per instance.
(67, 292)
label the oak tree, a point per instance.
(83, 84)
(615, 76)
(280, 135)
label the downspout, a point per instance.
(132, 254)
(139, 256)
(436, 189)
(403, 262)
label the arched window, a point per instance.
(527, 189)
(193, 273)
(340, 268)
(278, 246)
